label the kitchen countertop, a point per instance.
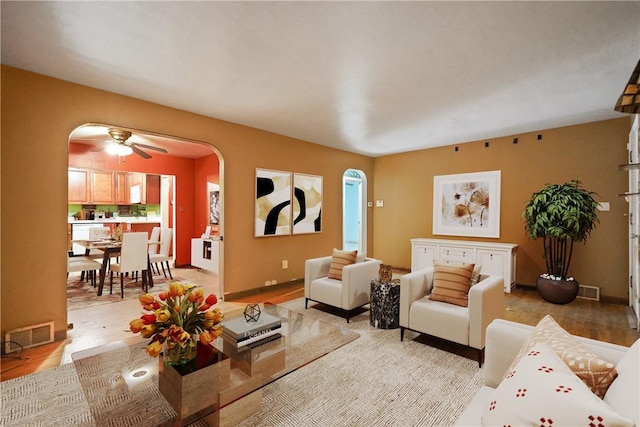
(118, 220)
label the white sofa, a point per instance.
(505, 338)
(463, 325)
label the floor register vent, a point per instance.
(29, 336)
(589, 292)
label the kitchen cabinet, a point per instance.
(153, 189)
(102, 188)
(113, 187)
(122, 188)
(79, 186)
(90, 186)
(495, 258)
(137, 188)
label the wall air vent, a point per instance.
(29, 336)
(589, 292)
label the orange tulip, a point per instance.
(162, 296)
(205, 337)
(146, 299)
(154, 349)
(176, 289)
(136, 325)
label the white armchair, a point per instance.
(462, 325)
(351, 292)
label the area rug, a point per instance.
(376, 380)
(81, 294)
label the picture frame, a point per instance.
(467, 204)
(272, 203)
(307, 203)
(214, 207)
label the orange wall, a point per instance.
(206, 170)
(81, 156)
(590, 152)
(38, 115)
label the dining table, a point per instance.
(111, 248)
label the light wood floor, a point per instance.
(601, 321)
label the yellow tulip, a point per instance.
(162, 315)
(154, 349)
(147, 330)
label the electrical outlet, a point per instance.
(274, 282)
(285, 264)
(267, 283)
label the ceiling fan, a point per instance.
(121, 147)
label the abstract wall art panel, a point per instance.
(273, 203)
(307, 203)
(467, 204)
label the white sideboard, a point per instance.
(205, 254)
(495, 258)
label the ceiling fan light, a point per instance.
(629, 101)
(118, 149)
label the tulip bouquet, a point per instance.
(176, 320)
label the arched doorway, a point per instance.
(354, 209)
(185, 171)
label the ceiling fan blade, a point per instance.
(140, 153)
(101, 148)
(149, 147)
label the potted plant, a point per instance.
(560, 214)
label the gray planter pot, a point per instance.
(557, 291)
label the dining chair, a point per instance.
(153, 249)
(162, 257)
(134, 257)
(97, 233)
(85, 265)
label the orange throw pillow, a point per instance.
(596, 373)
(451, 283)
(339, 260)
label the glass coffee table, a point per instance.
(120, 380)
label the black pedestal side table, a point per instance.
(385, 305)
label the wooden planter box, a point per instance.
(198, 390)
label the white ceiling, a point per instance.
(368, 77)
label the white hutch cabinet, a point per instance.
(205, 254)
(495, 258)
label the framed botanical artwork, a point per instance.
(467, 204)
(307, 203)
(272, 203)
(214, 207)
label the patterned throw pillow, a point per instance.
(451, 283)
(541, 390)
(596, 373)
(339, 260)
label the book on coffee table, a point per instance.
(252, 338)
(239, 328)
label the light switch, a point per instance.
(604, 206)
(379, 203)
